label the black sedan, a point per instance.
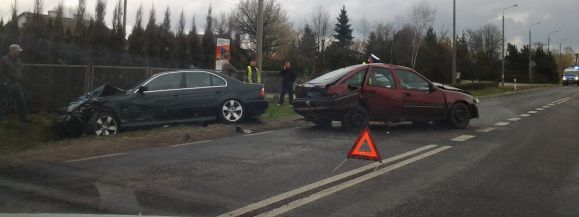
(165, 98)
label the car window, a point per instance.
(217, 81)
(411, 81)
(356, 80)
(381, 77)
(166, 82)
(198, 79)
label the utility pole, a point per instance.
(259, 34)
(503, 48)
(453, 41)
(549, 41)
(125, 18)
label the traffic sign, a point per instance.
(364, 147)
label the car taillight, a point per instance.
(262, 92)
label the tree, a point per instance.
(182, 44)
(321, 29)
(343, 31)
(117, 37)
(166, 39)
(99, 34)
(152, 39)
(137, 43)
(421, 17)
(307, 49)
(275, 24)
(194, 44)
(484, 44)
(208, 43)
(34, 34)
(80, 36)
(59, 48)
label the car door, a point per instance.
(162, 100)
(382, 96)
(419, 100)
(202, 94)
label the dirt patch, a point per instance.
(135, 140)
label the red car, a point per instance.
(358, 94)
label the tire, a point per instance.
(103, 124)
(232, 111)
(355, 119)
(323, 123)
(459, 116)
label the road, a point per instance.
(521, 158)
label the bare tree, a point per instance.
(421, 17)
(321, 27)
(275, 24)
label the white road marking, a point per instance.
(501, 124)
(533, 112)
(320, 183)
(264, 132)
(524, 115)
(559, 100)
(95, 157)
(514, 119)
(564, 101)
(329, 191)
(551, 104)
(192, 143)
(546, 106)
(486, 130)
(462, 138)
(540, 109)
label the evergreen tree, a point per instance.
(80, 36)
(194, 44)
(59, 48)
(117, 37)
(152, 39)
(99, 34)
(307, 48)
(137, 44)
(208, 43)
(343, 30)
(182, 44)
(166, 41)
(371, 44)
(35, 35)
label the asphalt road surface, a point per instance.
(521, 158)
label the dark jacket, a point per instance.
(11, 69)
(289, 75)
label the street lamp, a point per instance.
(503, 47)
(530, 51)
(549, 40)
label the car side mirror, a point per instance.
(431, 87)
(142, 89)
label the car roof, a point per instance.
(391, 66)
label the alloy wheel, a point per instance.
(105, 126)
(232, 111)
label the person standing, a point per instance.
(11, 69)
(253, 73)
(228, 69)
(289, 77)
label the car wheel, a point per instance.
(356, 118)
(459, 116)
(103, 124)
(323, 123)
(232, 111)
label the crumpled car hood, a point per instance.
(451, 88)
(102, 91)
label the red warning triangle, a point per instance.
(365, 138)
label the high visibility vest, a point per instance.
(250, 75)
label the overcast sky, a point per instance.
(554, 15)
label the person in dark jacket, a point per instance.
(11, 69)
(289, 77)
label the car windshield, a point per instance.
(571, 73)
(333, 76)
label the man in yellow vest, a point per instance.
(253, 73)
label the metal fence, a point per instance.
(50, 87)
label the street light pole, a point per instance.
(259, 34)
(549, 40)
(503, 48)
(531, 51)
(453, 42)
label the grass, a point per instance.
(274, 111)
(489, 91)
(16, 136)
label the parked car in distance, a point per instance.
(571, 76)
(358, 94)
(165, 98)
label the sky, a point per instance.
(554, 15)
